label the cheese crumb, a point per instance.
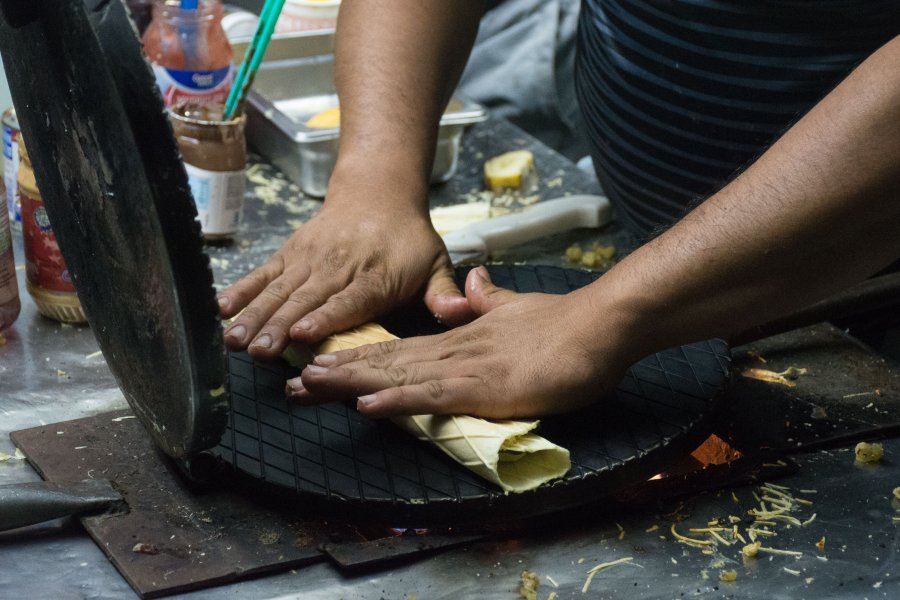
(868, 453)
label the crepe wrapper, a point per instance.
(506, 453)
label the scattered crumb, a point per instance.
(552, 581)
(654, 527)
(728, 576)
(530, 584)
(142, 548)
(897, 493)
(17, 455)
(93, 355)
(821, 544)
(868, 453)
(751, 550)
(792, 571)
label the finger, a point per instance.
(434, 397)
(387, 353)
(445, 301)
(273, 336)
(482, 295)
(250, 321)
(354, 305)
(368, 376)
(238, 295)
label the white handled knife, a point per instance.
(477, 240)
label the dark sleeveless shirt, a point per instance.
(679, 95)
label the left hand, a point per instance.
(526, 355)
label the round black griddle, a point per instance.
(331, 458)
(117, 195)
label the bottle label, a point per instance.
(10, 169)
(44, 266)
(198, 86)
(5, 237)
(219, 196)
(8, 288)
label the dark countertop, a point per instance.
(51, 373)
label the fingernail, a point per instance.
(367, 400)
(305, 324)
(325, 359)
(294, 386)
(223, 301)
(263, 341)
(238, 332)
(316, 370)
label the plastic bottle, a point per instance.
(190, 53)
(9, 288)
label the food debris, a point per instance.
(597, 256)
(93, 355)
(786, 378)
(602, 567)
(2, 340)
(821, 544)
(728, 576)
(897, 493)
(17, 455)
(60, 373)
(509, 170)
(552, 596)
(792, 571)
(142, 548)
(552, 581)
(751, 550)
(621, 532)
(530, 584)
(654, 527)
(868, 453)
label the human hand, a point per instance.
(526, 355)
(344, 267)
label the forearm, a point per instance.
(397, 64)
(817, 212)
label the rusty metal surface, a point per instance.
(173, 538)
(847, 393)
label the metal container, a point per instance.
(296, 82)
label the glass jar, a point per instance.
(215, 156)
(46, 276)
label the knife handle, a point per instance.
(536, 221)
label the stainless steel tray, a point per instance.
(295, 82)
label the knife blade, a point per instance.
(476, 241)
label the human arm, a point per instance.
(818, 211)
(371, 246)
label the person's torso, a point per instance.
(679, 95)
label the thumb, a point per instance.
(444, 299)
(482, 295)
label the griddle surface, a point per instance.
(330, 457)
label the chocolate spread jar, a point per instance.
(46, 277)
(215, 156)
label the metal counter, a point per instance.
(51, 373)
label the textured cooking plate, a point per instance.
(331, 459)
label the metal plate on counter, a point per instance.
(332, 459)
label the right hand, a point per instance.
(354, 261)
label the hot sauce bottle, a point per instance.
(189, 52)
